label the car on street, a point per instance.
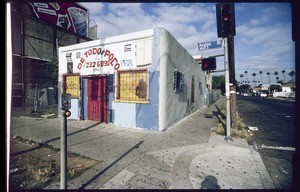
(263, 94)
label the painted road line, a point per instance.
(278, 147)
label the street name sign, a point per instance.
(209, 45)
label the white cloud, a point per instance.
(258, 38)
(94, 8)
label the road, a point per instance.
(275, 137)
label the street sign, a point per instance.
(65, 101)
(209, 45)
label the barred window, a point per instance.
(193, 90)
(132, 86)
(72, 85)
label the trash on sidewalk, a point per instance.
(13, 170)
(253, 128)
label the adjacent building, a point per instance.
(38, 29)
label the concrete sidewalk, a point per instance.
(185, 156)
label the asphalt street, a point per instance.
(275, 137)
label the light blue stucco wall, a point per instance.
(142, 115)
(74, 109)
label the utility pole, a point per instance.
(232, 80)
(227, 90)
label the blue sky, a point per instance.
(263, 40)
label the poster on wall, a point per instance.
(68, 15)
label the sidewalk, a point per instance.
(185, 156)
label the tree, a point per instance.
(276, 73)
(245, 88)
(260, 72)
(218, 82)
(280, 82)
(241, 76)
(276, 88)
(53, 70)
(268, 77)
(246, 75)
(292, 74)
(283, 71)
(254, 74)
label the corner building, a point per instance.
(144, 79)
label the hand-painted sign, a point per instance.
(103, 59)
(209, 45)
(110, 59)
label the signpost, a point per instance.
(65, 106)
(209, 45)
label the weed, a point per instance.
(238, 130)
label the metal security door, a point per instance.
(97, 99)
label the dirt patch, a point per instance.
(35, 166)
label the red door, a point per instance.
(97, 99)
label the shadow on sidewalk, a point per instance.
(51, 140)
(210, 182)
(110, 165)
(220, 115)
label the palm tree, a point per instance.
(283, 71)
(241, 76)
(292, 74)
(269, 77)
(254, 74)
(276, 73)
(246, 75)
(260, 72)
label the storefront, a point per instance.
(144, 80)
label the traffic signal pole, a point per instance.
(65, 106)
(227, 88)
(226, 29)
(63, 151)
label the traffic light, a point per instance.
(208, 64)
(225, 19)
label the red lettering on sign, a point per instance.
(111, 59)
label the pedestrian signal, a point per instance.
(208, 64)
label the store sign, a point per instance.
(68, 15)
(104, 59)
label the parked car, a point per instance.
(263, 94)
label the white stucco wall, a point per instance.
(174, 106)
